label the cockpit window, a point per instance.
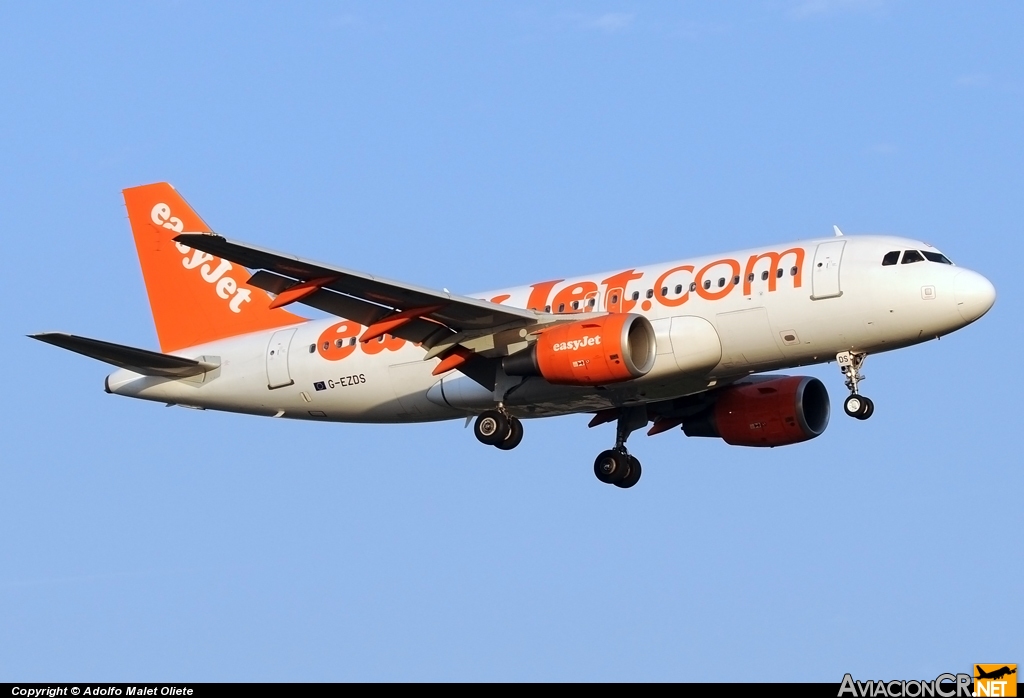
(911, 256)
(890, 258)
(936, 257)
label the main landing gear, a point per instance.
(856, 405)
(498, 428)
(615, 466)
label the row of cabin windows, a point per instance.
(339, 343)
(591, 302)
(911, 256)
(575, 305)
(721, 282)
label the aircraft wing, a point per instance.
(432, 317)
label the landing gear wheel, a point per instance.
(611, 467)
(858, 406)
(632, 476)
(868, 410)
(515, 435)
(491, 428)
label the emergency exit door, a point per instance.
(825, 272)
(278, 375)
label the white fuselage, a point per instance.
(713, 325)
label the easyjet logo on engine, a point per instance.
(576, 344)
(224, 285)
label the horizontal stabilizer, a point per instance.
(148, 363)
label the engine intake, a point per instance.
(609, 349)
(770, 411)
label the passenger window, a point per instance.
(339, 343)
(561, 307)
(650, 293)
(890, 258)
(721, 282)
(750, 277)
(547, 308)
(636, 295)
(679, 289)
(327, 345)
(592, 302)
(707, 284)
(664, 290)
(936, 257)
(312, 348)
(615, 298)
(575, 305)
(778, 274)
(911, 256)
(735, 281)
(693, 286)
(764, 276)
(793, 271)
(352, 342)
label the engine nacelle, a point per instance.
(766, 412)
(608, 349)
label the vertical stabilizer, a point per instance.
(195, 297)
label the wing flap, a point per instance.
(143, 361)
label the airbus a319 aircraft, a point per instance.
(681, 344)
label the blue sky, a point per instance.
(476, 146)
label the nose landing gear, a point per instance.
(859, 406)
(498, 428)
(856, 405)
(615, 466)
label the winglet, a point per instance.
(839, 233)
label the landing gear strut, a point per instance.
(498, 428)
(615, 466)
(856, 405)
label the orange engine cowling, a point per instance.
(608, 349)
(769, 411)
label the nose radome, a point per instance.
(974, 295)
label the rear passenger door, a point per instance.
(278, 375)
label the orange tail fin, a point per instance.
(195, 297)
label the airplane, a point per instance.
(683, 344)
(996, 674)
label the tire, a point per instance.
(515, 435)
(491, 428)
(854, 406)
(632, 476)
(867, 410)
(611, 466)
